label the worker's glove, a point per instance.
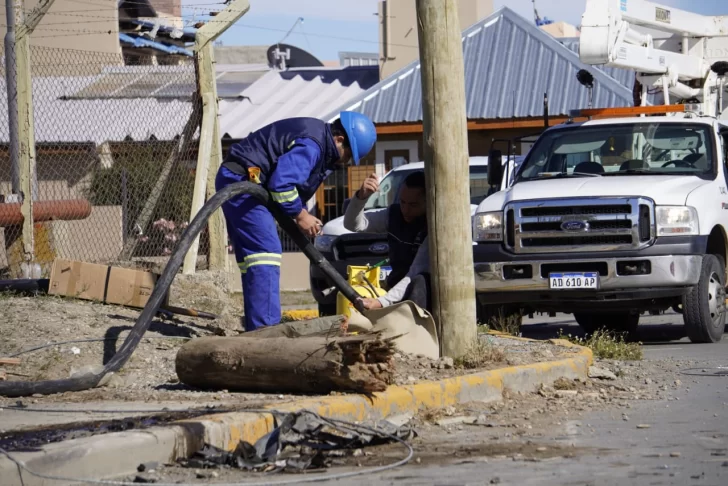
(310, 225)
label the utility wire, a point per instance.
(96, 340)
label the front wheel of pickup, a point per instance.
(704, 305)
(617, 322)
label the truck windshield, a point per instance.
(625, 149)
(389, 187)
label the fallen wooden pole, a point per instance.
(10, 361)
(315, 364)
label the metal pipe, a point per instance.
(66, 210)
(13, 15)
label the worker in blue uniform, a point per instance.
(290, 158)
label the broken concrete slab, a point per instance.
(601, 373)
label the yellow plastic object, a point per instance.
(355, 277)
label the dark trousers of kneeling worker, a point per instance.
(258, 251)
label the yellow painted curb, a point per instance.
(300, 314)
(227, 429)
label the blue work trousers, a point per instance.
(254, 236)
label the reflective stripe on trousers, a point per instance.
(259, 259)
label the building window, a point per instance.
(395, 158)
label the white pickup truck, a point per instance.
(607, 219)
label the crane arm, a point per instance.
(694, 43)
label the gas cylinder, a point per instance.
(365, 281)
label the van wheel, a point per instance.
(617, 322)
(704, 305)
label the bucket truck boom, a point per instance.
(689, 63)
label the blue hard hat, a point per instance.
(361, 133)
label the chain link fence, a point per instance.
(116, 140)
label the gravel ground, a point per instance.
(149, 375)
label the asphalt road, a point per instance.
(680, 438)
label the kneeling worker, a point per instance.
(290, 158)
(405, 223)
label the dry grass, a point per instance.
(479, 355)
(509, 324)
(608, 345)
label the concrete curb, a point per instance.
(117, 454)
(300, 314)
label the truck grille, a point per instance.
(564, 225)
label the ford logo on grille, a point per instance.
(379, 248)
(575, 226)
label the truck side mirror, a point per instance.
(495, 168)
(345, 204)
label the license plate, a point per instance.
(384, 272)
(572, 280)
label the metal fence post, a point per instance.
(204, 57)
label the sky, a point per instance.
(330, 26)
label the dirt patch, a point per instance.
(97, 331)
(214, 292)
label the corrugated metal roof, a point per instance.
(509, 64)
(96, 120)
(129, 102)
(296, 92)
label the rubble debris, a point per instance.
(148, 467)
(601, 373)
(444, 363)
(300, 441)
(465, 419)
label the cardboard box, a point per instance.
(79, 280)
(103, 283)
(129, 287)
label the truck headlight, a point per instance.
(324, 242)
(677, 220)
(488, 226)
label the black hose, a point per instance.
(90, 380)
(25, 286)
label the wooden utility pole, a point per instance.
(210, 158)
(20, 103)
(447, 174)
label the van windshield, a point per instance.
(614, 150)
(388, 193)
